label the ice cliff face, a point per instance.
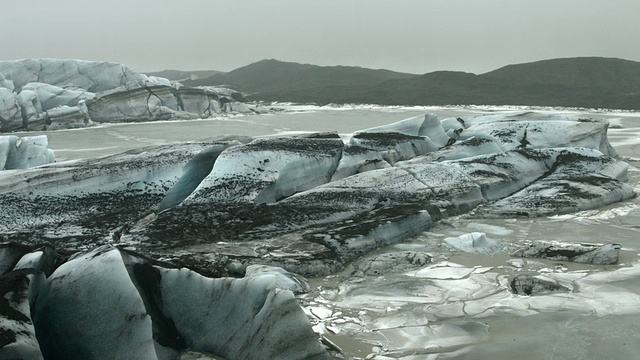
(52, 93)
(111, 303)
(308, 205)
(89, 75)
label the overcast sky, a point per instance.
(415, 36)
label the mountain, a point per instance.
(575, 72)
(575, 82)
(268, 77)
(180, 75)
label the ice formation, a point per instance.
(148, 311)
(25, 152)
(475, 242)
(55, 93)
(18, 291)
(313, 203)
(272, 208)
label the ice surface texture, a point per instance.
(281, 202)
(18, 290)
(25, 152)
(111, 303)
(54, 93)
(270, 209)
(313, 203)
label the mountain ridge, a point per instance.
(270, 74)
(595, 82)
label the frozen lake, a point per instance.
(458, 307)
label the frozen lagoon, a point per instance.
(459, 306)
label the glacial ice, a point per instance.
(476, 242)
(90, 285)
(578, 180)
(527, 284)
(9, 109)
(134, 103)
(93, 200)
(267, 170)
(283, 279)
(47, 97)
(7, 143)
(42, 259)
(90, 75)
(196, 101)
(394, 147)
(248, 319)
(149, 169)
(315, 206)
(18, 291)
(194, 172)
(25, 152)
(453, 191)
(32, 91)
(10, 255)
(115, 303)
(428, 126)
(540, 131)
(606, 254)
(67, 117)
(500, 175)
(391, 262)
(356, 159)
(7, 84)
(321, 195)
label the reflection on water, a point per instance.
(458, 307)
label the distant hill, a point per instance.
(575, 82)
(180, 75)
(591, 72)
(272, 76)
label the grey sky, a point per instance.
(416, 36)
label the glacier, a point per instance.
(162, 230)
(313, 203)
(67, 93)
